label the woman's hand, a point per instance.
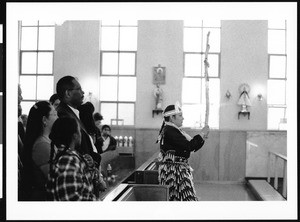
(204, 132)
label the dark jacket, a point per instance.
(99, 143)
(173, 139)
(86, 147)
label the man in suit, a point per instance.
(71, 97)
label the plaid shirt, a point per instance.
(70, 179)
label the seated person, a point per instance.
(108, 142)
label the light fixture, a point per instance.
(259, 97)
(228, 94)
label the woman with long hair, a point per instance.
(37, 149)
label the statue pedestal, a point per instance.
(244, 114)
(156, 111)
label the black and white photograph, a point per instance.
(149, 110)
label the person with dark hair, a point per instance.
(71, 97)
(108, 142)
(21, 131)
(175, 149)
(70, 177)
(37, 149)
(86, 111)
(54, 100)
(21, 135)
(24, 118)
(98, 118)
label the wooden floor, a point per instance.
(223, 192)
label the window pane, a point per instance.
(214, 39)
(276, 41)
(108, 111)
(46, 38)
(211, 23)
(192, 65)
(274, 116)
(194, 22)
(277, 66)
(126, 112)
(48, 23)
(191, 115)
(26, 106)
(129, 22)
(44, 87)
(127, 88)
(29, 23)
(191, 90)
(45, 63)
(276, 92)
(213, 69)
(108, 88)
(28, 85)
(109, 22)
(127, 64)
(128, 38)
(192, 40)
(29, 38)
(28, 63)
(276, 24)
(109, 63)
(109, 39)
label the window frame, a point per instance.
(280, 106)
(118, 75)
(37, 51)
(201, 76)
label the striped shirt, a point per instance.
(70, 180)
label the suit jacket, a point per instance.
(86, 146)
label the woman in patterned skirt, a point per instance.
(175, 149)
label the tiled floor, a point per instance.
(223, 192)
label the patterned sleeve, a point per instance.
(71, 184)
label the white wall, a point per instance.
(159, 42)
(244, 59)
(77, 54)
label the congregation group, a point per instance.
(60, 143)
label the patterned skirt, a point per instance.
(176, 173)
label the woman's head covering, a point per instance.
(172, 110)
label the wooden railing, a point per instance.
(277, 156)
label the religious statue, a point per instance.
(158, 93)
(244, 100)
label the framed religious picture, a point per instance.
(159, 75)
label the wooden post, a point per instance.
(206, 65)
(284, 179)
(269, 168)
(276, 174)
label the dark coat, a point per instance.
(86, 146)
(99, 143)
(172, 139)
